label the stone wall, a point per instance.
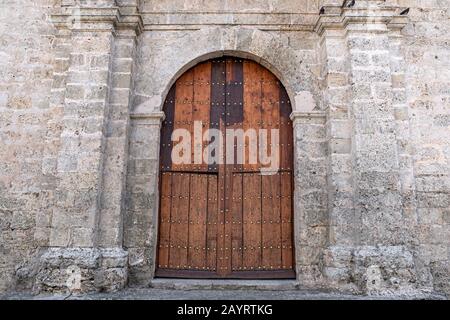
(82, 84)
(427, 95)
(30, 128)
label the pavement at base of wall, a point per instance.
(170, 294)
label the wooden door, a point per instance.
(220, 216)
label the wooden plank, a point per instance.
(164, 225)
(252, 221)
(252, 106)
(234, 118)
(271, 224)
(193, 274)
(183, 111)
(179, 229)
(237, 222)
(272, 274)
(287, 220)
(270, 109)
(217, 93)
(270, 114)
(218, 90)
(227, 245)
(183, 274)
(234, 110)
(221, 251)
(234, 95)
(286, 164)
(211, 232)
(271, 227)
(197, 221)
(201, 111)
(166, 131)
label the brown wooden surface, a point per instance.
(179, 221)
(286, 220)
(166, 131)
(197, 221)
(183, 110)
(226, 220)
(237, 234)
(212, 219)
(271, 226)
(200, 108)
(252, 104)
(252, 221)
(164, 240)
(194, 274)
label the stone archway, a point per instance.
(173, 59)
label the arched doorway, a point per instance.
(226, 181)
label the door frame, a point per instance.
(310, 242)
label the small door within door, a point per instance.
(226, 174)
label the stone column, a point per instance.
(84, 255)
(344, 222)
(368, 228)
(141, 217)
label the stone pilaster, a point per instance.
(310, 199)
(80, 160)
(343, 220)
(374, 145)
(117, 135)
(141, 216)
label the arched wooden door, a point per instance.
(226, 219)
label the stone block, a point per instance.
(75, 92)
(340, 146)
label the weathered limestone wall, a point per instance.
(30, 128)
(377, 238)
(427, 95)
(82, 84)
(240, 6)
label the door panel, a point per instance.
(225, 219)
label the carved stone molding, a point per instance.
(112, 18)
(318, 117)
(340, 16)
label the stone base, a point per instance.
(81, 270)
(219, 284)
